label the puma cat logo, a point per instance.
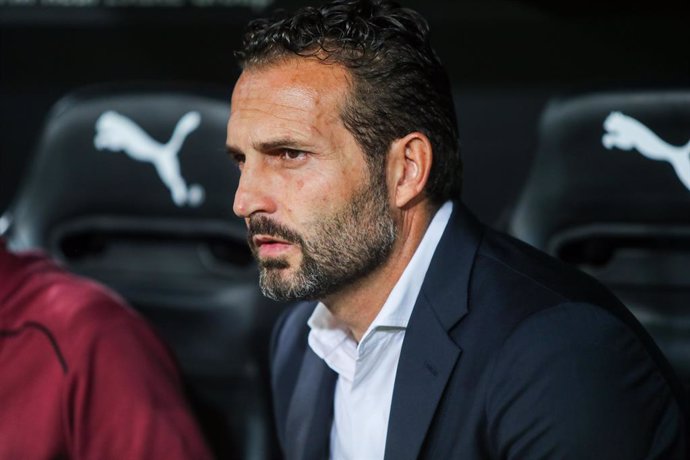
(117, 133)
(626, 133)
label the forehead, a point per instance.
(296, 94)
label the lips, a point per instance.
(271, 241)
(269, 246)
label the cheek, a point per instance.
(308, 200)
(316, 191)
(314, 194)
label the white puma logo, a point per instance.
(626, 133)
(116, 132)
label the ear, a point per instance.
(408, 169)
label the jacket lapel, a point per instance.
(427, 359)
(429, 354)
(310, 414)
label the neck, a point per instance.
(357, 305)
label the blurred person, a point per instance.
(425, 334)
(83, 375)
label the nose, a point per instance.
(253, 192)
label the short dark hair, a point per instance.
(399, 83)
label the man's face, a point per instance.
(317, 220)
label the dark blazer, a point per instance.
(508, 354)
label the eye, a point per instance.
(238, 158)
(291, 154)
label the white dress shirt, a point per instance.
(366, 371)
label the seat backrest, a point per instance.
(132, 186)
(609, 191)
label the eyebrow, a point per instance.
(267, 146)
(280, 143)
(233, 151)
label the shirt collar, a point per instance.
(327, 333)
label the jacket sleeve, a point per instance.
(573, 382)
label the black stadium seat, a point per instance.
(609, 192)
(131, 185)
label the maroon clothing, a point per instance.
(81, 375)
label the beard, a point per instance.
(339, 248)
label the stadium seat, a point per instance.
(131, 185)
(609, 192)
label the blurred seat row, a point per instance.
(131, 185)
(609, 192)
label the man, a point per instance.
(83, 376)
(430, 335)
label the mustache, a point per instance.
(262, 225)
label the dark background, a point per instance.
(506, 60)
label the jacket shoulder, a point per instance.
(579, 360)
